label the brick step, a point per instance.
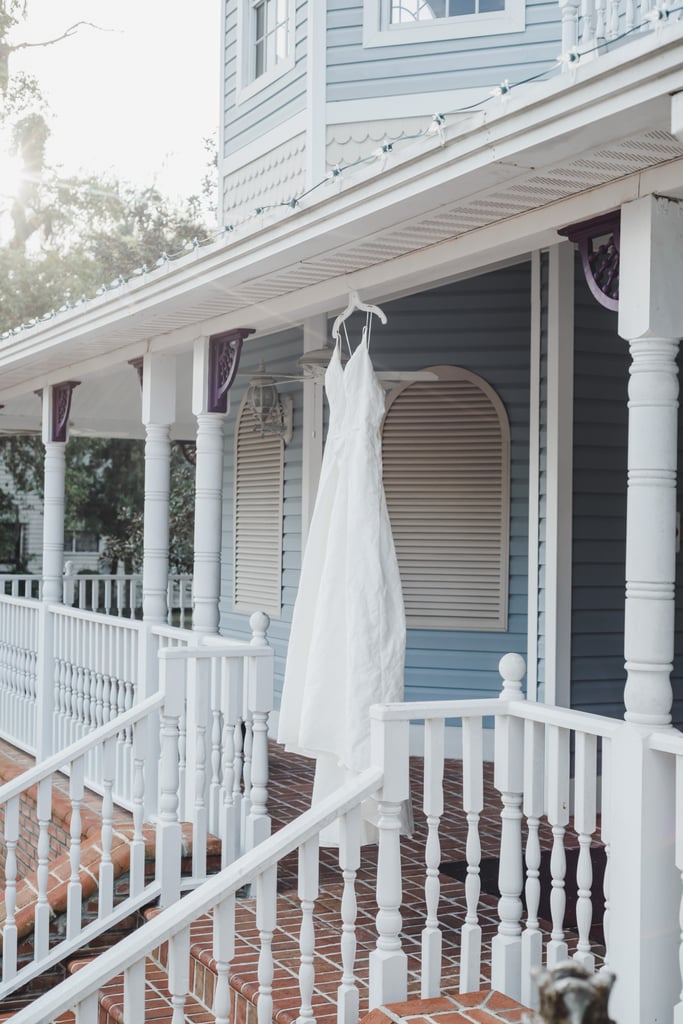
(158, 1006)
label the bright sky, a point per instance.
(137, 100)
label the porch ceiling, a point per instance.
(503, 184)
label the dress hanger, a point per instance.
(355, 304)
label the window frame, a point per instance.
(247, 83)
(377, 31)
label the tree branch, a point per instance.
(65, 35)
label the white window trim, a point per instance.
(248, 86)
(376, 33)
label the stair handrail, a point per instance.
(54, 763)
(169, 922)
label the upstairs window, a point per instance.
(391, 22)
(271, 30)
(404, 12)
(266, 33)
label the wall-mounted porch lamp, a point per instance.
(273, 413)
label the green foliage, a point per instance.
(64, 238)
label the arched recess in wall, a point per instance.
(259, 487)
(446, 465)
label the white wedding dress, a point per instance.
(347, 643)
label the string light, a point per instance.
(656, 17)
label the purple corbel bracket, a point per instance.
(601, 263)
(224, 360)
(61, 407)
(137, 365)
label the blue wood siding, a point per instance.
(601, 362)
(355, 72)
(482, 325)
(541, 677)
(273, 104)
(280, 352)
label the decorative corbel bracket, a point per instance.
(61, 407)
(598, 242)
(137, 365)
(224, 360)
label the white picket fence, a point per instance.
(226, 800)
(563, 768)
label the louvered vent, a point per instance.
(446, 458)
(258, 517)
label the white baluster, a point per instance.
(74, 906)
(42, 911)
(266, 920)
(199, 822)
(569, 12)
(134, 991)
(308, 893)
(172, 682)
(223, 952)
(600, 20)
(247, 746)
(473, 802)
(179, 973)
(613, 18)
(231, 698)
(432, 805)
(9, 932)
(106, 875)
(678, 1008)
(558, 816)
(506, 950)
(534, 781)
(605, 837)
(587, 25)
(216, 736)
(137, 847)
(388, 982)
(87, 1011)
(349, 862)
(260, 683)
(584, 824)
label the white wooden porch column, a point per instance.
(158, 413)
(208, 497)
(56, 407)
(215, 364)
(315, 336)
(644, 933)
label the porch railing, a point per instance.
(533, 777)
(53, 797)
(564, 779)
(119, 595)
(19, 632)
(589, 24)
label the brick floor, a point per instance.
(290, 788)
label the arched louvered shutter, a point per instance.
(446, 463)
(259, 469)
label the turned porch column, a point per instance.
(643, 931)
(214, 367)
(56, 407)
(158, 413)
(56, 401)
